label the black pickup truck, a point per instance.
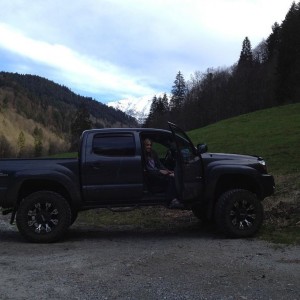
(44, 196)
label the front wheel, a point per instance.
(239, 213)
(43, 217)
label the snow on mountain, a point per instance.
(138, 108)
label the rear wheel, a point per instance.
(43, 217)
(239, 213)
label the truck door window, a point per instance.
(186, 151)
(114, 145)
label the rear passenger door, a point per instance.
(112, 169)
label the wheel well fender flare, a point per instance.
(220, 179)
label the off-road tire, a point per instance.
(43, 217)
(238, 213)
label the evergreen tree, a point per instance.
(152, 112)
(178, 93)
(158, 112)
(153, 107)
(160, 108)
(38, 141)
(21, 143)
(273, 42)
(246, 57)
(289, 57)
(80, 123)
(165, 104)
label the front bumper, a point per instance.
(268, 185)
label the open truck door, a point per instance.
(189, 169)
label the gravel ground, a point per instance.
(130, 263)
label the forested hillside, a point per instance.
(263, 77)
(36, 115)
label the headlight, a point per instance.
(263, 164)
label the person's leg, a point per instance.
(171, 195)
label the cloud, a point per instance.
(94, 75)
(112, 48)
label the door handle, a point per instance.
(97, 166)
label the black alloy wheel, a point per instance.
(239, 213)
(43, 217)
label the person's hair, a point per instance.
(147, 154)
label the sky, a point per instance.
(115, 49)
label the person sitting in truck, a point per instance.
(159, 175)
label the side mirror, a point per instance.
(202, 148)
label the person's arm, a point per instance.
(162, 169)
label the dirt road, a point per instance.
(130, 263)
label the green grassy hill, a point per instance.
(273, 134)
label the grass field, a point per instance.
(273, 134)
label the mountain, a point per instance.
(138, 108)
(135, 107)
(31, 104)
